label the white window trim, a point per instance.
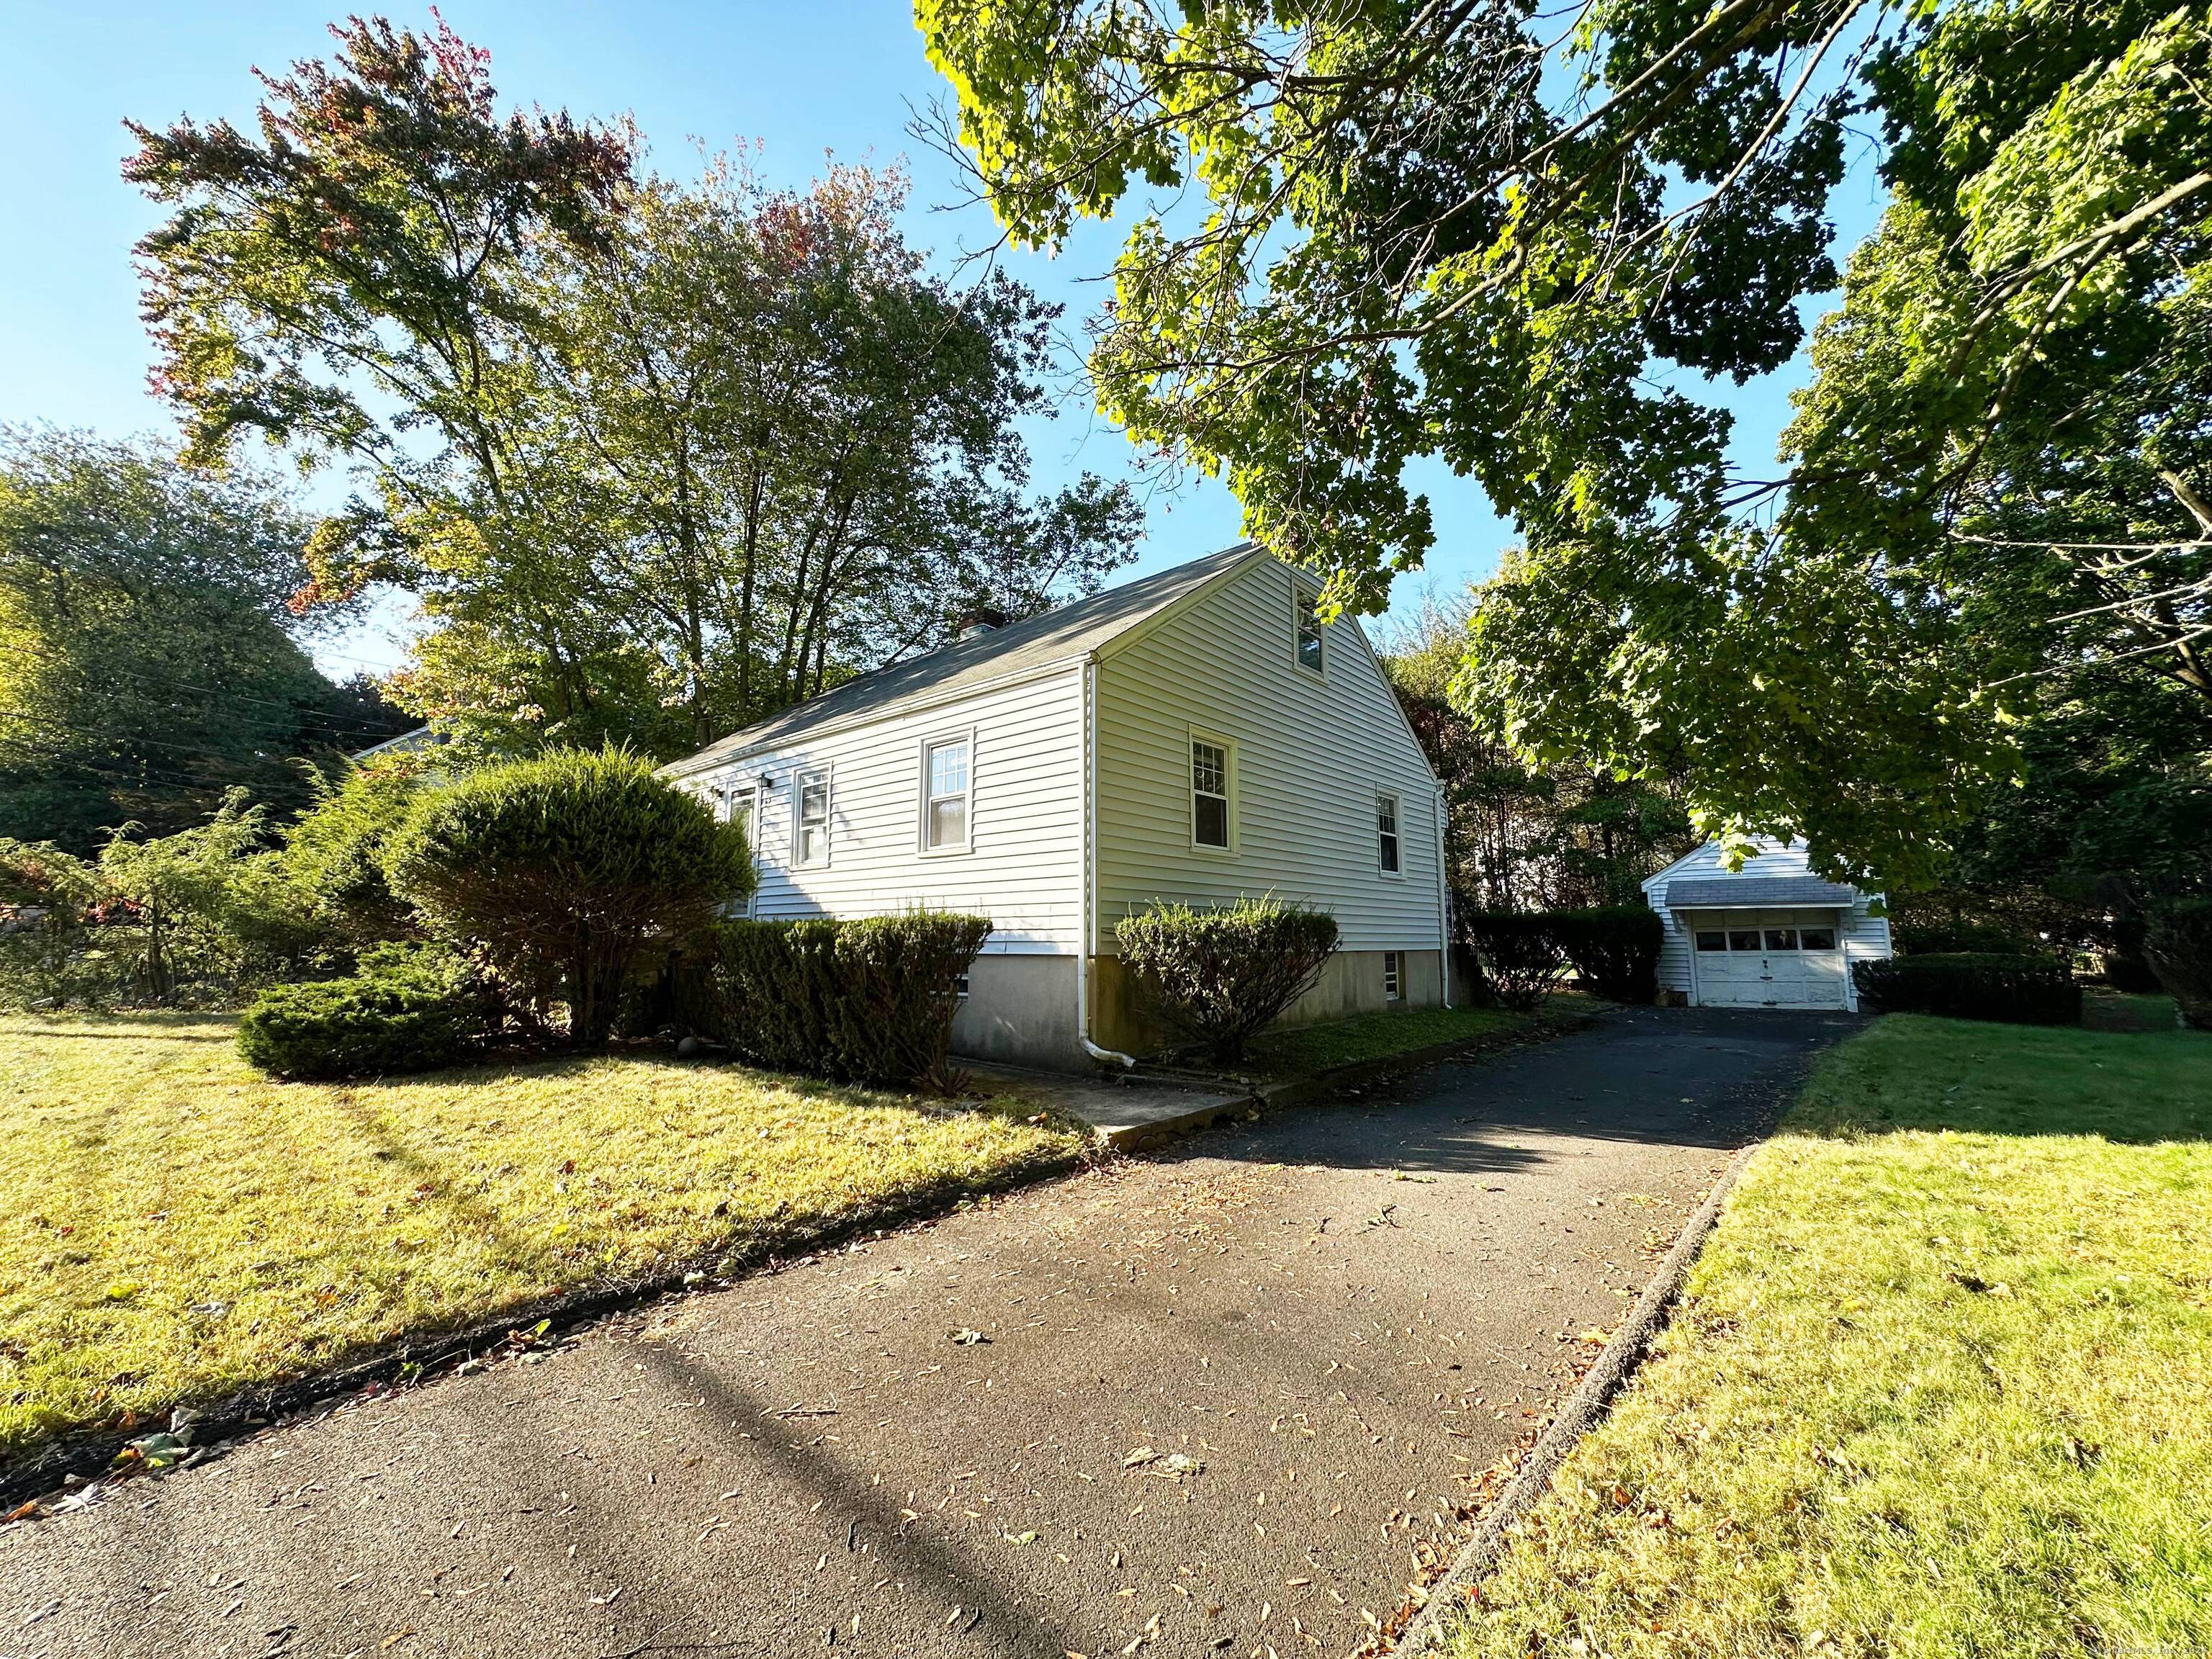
(1228, 746)
(827, 772)
(967, 843)
(1394, 976)
(1300, 593)
(727, 795)
(1398, 817)
(756, 795)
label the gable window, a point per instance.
(1209, 793)
(944, 794)
(1386, 834)
(1309, 627)
(1394, 976)
(810, 841)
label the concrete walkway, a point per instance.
(1228, 1400)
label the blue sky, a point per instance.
(802, 79)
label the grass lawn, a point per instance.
(174, 1226)
(1374, 1037)
(2119, 1011)
(1944, 1384)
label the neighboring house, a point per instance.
(407, 742)
(1192, 735)
(1769, 935)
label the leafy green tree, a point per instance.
(1422, 235)
(48, 898)
(1517, 836)
(215, 911)
(564, 868)
(336, 853)
(657, 459)
(149, 659)
(1368, 234)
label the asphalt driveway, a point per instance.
(1228, 1399)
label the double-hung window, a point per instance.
(946, 774)
(1308, 623)
(810, 839)
(737, 803)
(1386, 834)
(1209, 793)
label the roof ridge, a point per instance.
(1017, 644)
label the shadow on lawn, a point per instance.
(1917, 1073)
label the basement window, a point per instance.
(1394, 976)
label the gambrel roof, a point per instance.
(1067, 634)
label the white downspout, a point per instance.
(1443, 902)
(1089, 905)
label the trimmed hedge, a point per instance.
(1915, 936)
(1519, 953)
(2019, 990)
(2180, 947)
(1615, 949)
(410, 1009)
(1219, 975)
(869, 1001)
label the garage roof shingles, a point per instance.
(1759, 893)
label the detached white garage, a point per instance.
(1769, 935)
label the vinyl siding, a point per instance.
(1865, 935)
(1311, 755)
(1024, 870)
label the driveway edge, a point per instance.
(1316, 1086)
(218, 1424)
(1584, 1409)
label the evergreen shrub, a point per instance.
(2015, 989)
(1221, 974)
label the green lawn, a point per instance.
(2119, 1011)
(174, 1226)
(1374, 1037)
(1942, 1385)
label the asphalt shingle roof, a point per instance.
(1756, 893)
(1068, 632)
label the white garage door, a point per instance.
(1768, 959)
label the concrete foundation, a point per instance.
(1020, 1009)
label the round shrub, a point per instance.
(408, 1010)
(2180, 947)
(2018, 990)
(1221, 974)
(563, 868)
